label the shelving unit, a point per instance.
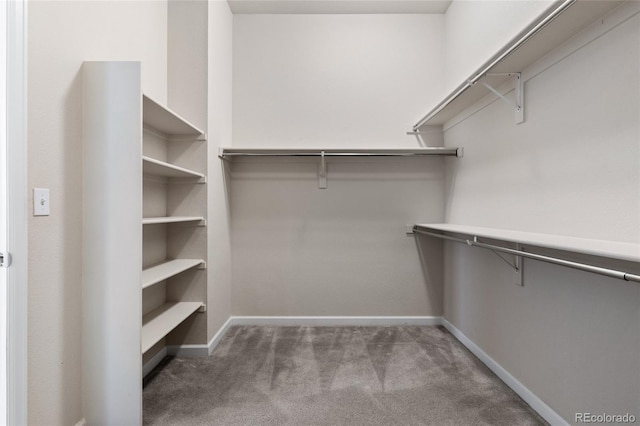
(158, 273)
(164, 319)
(136, 295)
(559, 23)
(601, 248)
(168, 135)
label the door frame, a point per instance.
(17, 211)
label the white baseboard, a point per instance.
(219, 335)
(155, 360)
(201, 350)
(529, 397)
(334, 321)
(205, 350)
(82, 422)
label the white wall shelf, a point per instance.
(559, 23)
(153, 167)
(172, 219)
(166, 121)
(161, 321)
(163, 271)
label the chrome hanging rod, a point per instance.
(495, 60)
(612, 273)
(400, 152)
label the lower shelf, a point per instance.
(161, 321)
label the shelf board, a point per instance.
(163, 271)
(577, 16)
(338, 152)
(151, 166)
(166, 121)
(171, 219)
(161, 321)
(602, 248)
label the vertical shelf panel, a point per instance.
(112, 297)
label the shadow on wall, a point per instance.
(431, 253)
(70, 210)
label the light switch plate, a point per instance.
(41, 201)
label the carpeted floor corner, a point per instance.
(408, 375)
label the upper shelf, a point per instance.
(561, 21)
(602, 248)
(166, 121)
(338, 152)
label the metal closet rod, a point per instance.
(454, 152)
(495, 60)
(612, 273)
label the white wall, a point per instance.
(571, 169)
(61, 36)
(220, 131)
(477, 29)
(333, 80)
(330, 81)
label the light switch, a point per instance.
(41, 201)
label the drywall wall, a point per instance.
(477, 29)
(571, 169)
(61, 36)
(220, 131)
(187, 52)
(333, 81)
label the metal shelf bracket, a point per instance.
(519, 102)
(517, 263)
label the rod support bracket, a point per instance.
(322, 172)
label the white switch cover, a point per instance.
(41, 201)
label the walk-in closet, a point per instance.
(331, 212)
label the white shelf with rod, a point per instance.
(153, 167)
(601, 248)
(161, 321)
(323, 153)
(558, 23)
(171, 219)
(166, 270)
(339, 152)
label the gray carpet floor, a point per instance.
(332, 376)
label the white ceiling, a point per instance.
(338, 6)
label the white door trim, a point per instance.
(17, 211)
